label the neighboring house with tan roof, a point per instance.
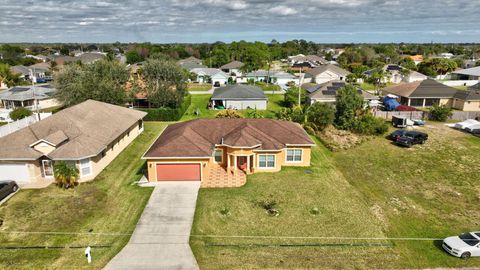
(233, 68)
(325, 73)
(468, 100)
(327, 92)
(89, 135)
(422, 93)
(199, 150)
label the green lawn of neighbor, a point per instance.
(199, 87)
(111, 203)
(200, 102)
(374, 190)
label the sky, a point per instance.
(193, 21)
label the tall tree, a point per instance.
(348, 106)
(103, 81)
(165, 83)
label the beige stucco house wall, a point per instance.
(208, 162)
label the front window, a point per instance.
(469, 239)
(85, 167)
(47, 168)
(266, 161)
(416, 102)
(294, 155)
(218, 155)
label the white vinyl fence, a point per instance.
(22, 123)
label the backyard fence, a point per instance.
(22, 123)
(456, 115)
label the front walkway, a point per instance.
(161, 237)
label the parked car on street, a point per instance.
(412, 137)
(7, 187)
(463, 246)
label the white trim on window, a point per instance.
(221, 155)
(50, 164)
(297, 156)
(267, 161)
(85, 164)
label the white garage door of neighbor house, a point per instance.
(17, 172)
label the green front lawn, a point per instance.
(374, 190)
(198, 108)
(199, 87)
(112, 203)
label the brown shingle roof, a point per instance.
(89, 127)
(422, 89)
(197, 138)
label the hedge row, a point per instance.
(167, 114)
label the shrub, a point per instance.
(320, 116)
(440, 113)
(349, 104)
(292, 114)
(370, 125)
(253, 113)
(66, 175)
(20, 113)
(167, 114)
(228, 114)
(291, 96)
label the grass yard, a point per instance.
(374, 190)
(199, 87)
(3, 123)
(200, 102)
(109, 204)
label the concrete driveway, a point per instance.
(160, 239)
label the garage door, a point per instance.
(17, 172)
(178, 172)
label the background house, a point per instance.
(30, 97)
(466, 74)
(422, 93)
(210, 75)
(325, 73)
(233, 68)
(397, 74)
(88, 135)
(468, 100)
(327, 92)
(239, 97)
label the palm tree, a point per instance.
(66, 175)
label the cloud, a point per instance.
(212, 20)
(283, 10)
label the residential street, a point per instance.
(160, 240)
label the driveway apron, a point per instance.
(160, 239)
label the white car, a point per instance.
(463, 246)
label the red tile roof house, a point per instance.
(89, 135)
(220, 152)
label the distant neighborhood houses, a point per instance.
(397, 74)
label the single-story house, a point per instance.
(239, 97)
(422, 93)
(258, 75)
(397, 74)
(88, 135)
(226, 147)
(283, 78)
(26, 96)
(468, 100)
(26, 72)
(210, 75)
(467, 74)
(305, 62)
(233, 68)
(325, 73)
(417, 59)
(327, 92)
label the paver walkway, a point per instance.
(160, 239)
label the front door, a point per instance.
(242, 163)
(47, 166)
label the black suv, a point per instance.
(7, 188)
(412, 137)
